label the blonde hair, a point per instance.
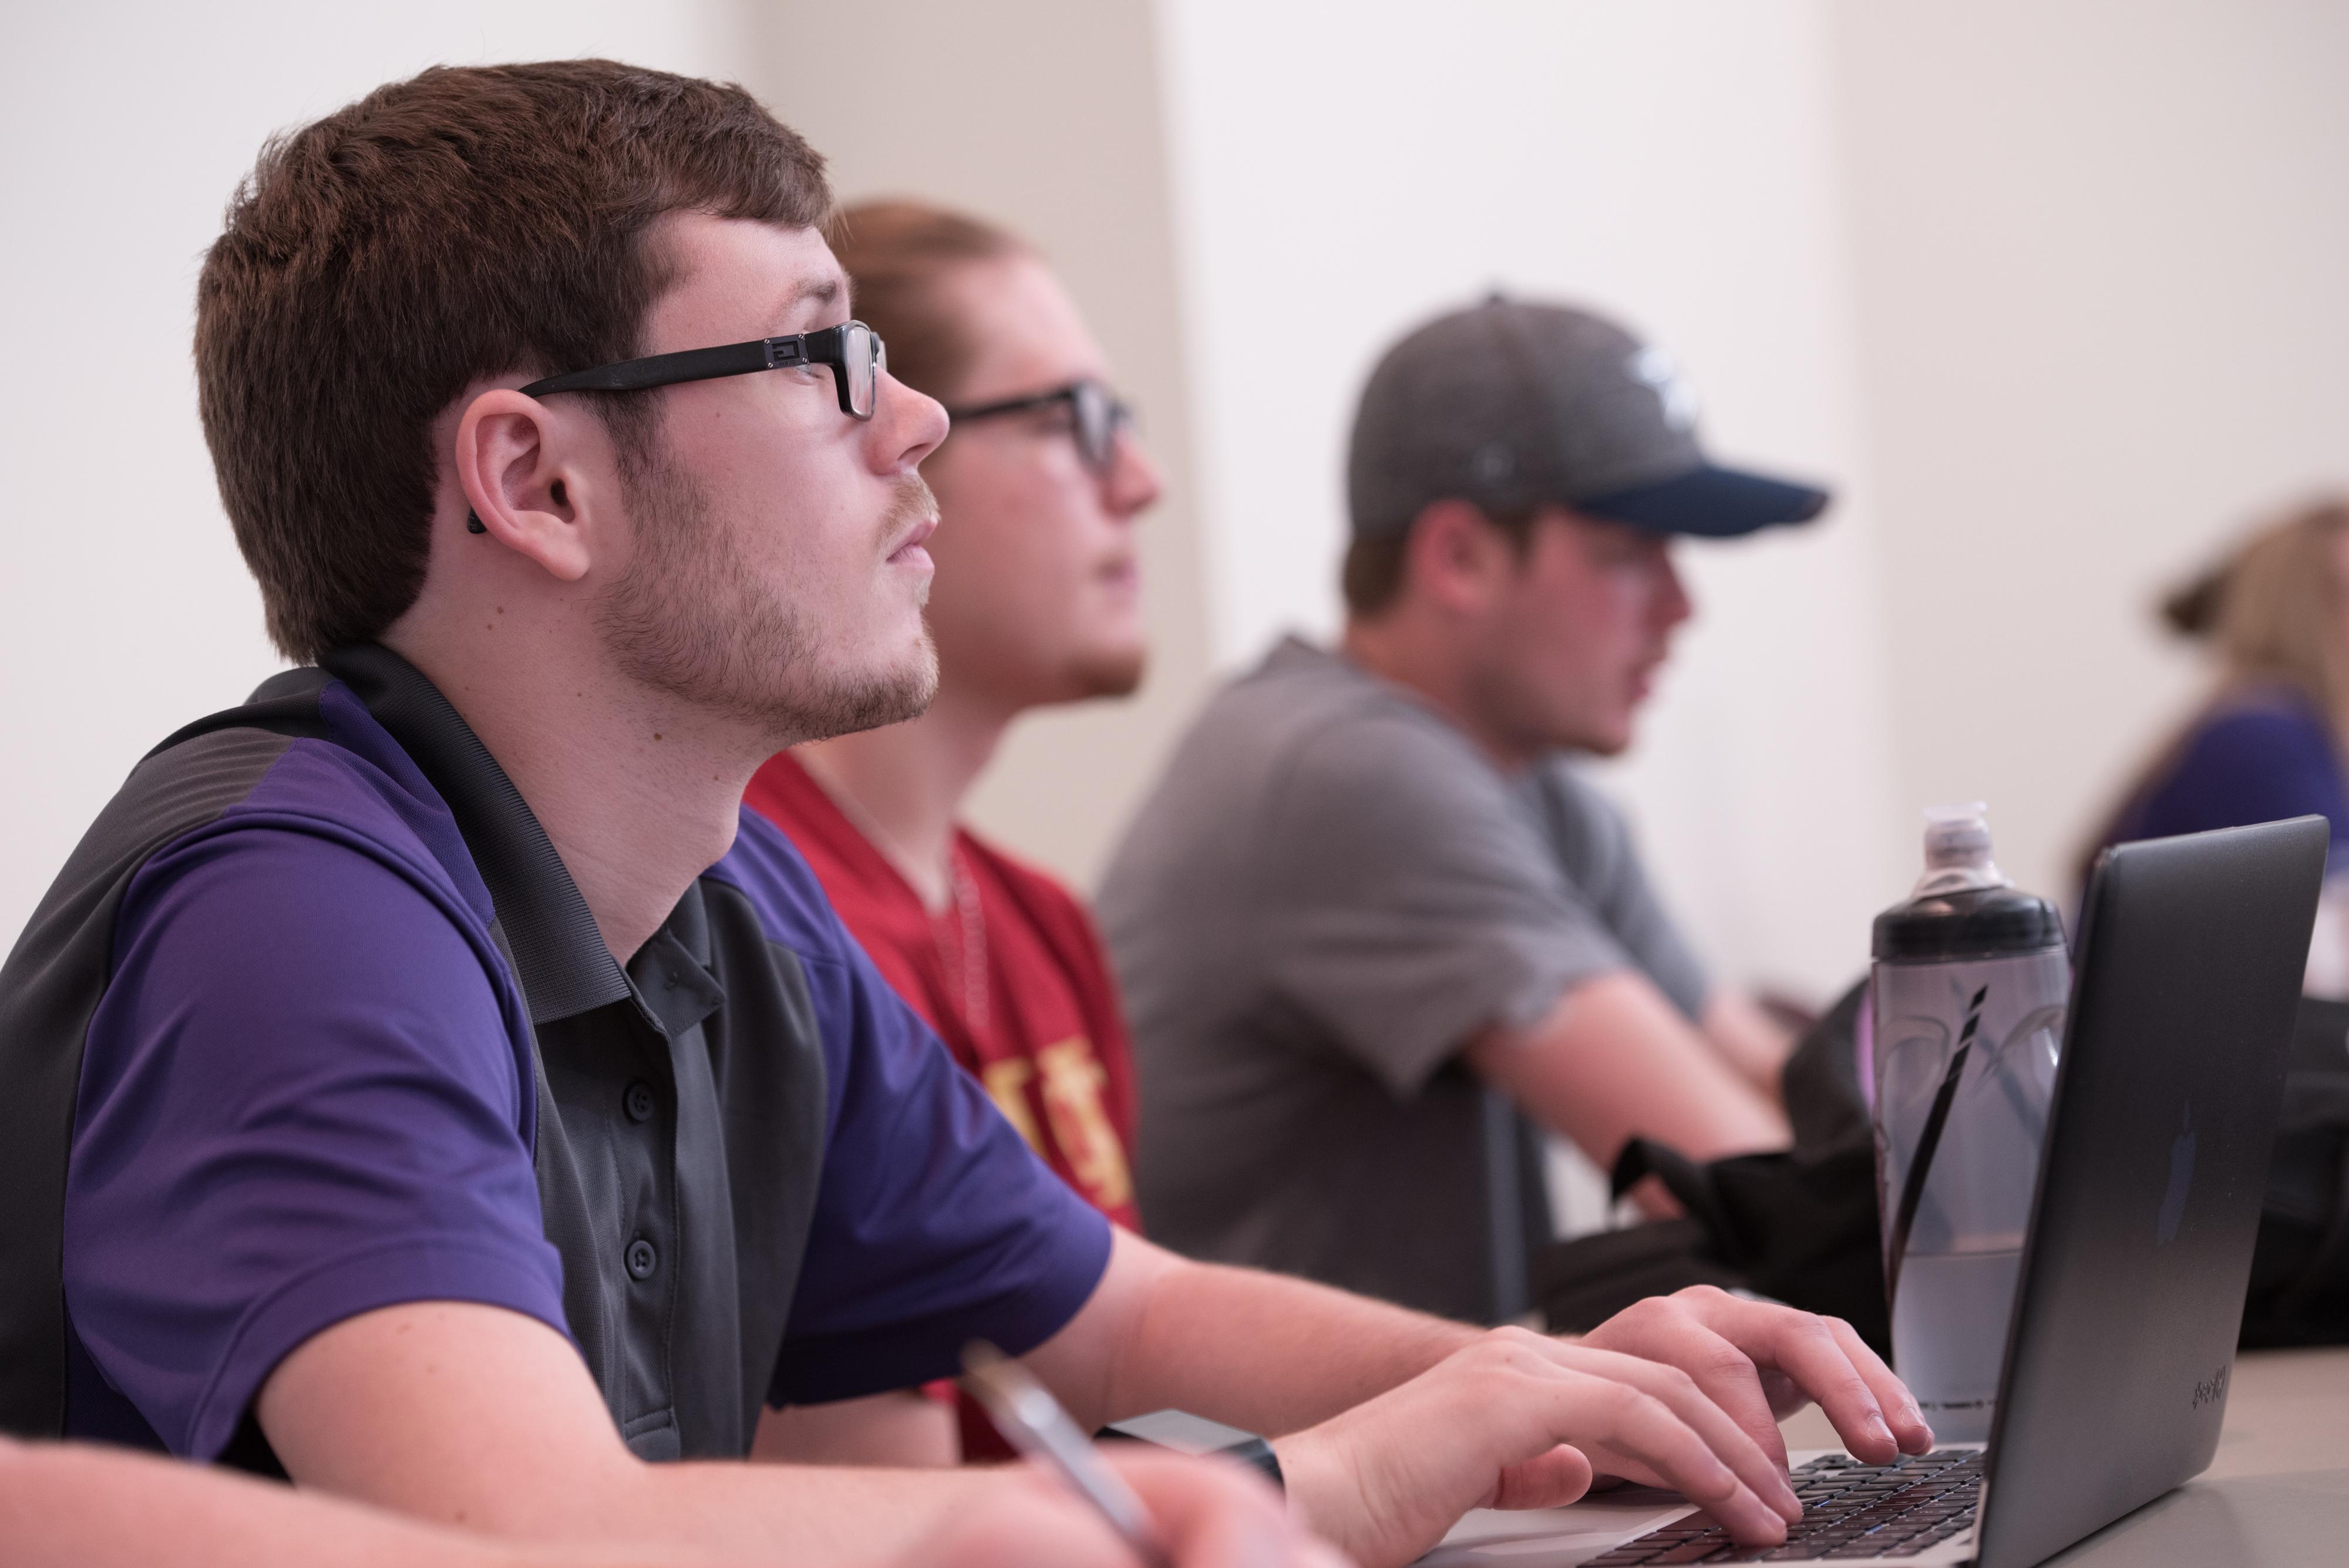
(895, 254)
(2273, 612)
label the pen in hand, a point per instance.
(1032, 1421)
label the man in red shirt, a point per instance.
(1009, 971)
(1036, 602)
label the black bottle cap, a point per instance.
(1982, 922)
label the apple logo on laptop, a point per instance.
(2181, 1177)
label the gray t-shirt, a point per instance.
(1329, 892)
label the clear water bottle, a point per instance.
(1966, 1015)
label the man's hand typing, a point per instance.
(1680, 1392)
(1761, 1362)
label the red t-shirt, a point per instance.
(1013, 978)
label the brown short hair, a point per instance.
(1372, 575)
(471, 222)
(894, 253)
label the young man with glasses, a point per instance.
(426, 1081)
(1037, 602)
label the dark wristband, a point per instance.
(1257, 1455)
(1188, 1434)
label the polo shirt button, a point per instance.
(638, 1102)
(642, 1258)
(668, 980)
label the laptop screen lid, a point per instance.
(2122, 1334)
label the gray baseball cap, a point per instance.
(1512, 404)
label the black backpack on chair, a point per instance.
(1798, 1227)
(1801, 1226)
(2300, 1266)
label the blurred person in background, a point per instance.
(1037, 601)
(1371, 913)
(2266, 742)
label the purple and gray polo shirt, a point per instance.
(316, 1021)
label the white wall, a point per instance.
(2053, 293)
(124, 608)
(1672, 163)
(2102, 257)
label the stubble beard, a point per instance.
(689, 620)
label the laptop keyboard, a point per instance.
(1849, 1510)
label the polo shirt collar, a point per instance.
(559, 955)
(671, 971)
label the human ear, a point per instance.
(527, 490)
(1456, 554)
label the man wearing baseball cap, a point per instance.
(1371, 916)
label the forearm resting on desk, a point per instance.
(70, 1506)
(1266, 1352)
(473, 1415)
(904, 1427)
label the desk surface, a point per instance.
(2277, 1496)
(2277, 1492)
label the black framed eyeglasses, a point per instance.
(854, 350)
(1096, 415)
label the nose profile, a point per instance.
(1673, 604)
(1133, 482)
(907, 425)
